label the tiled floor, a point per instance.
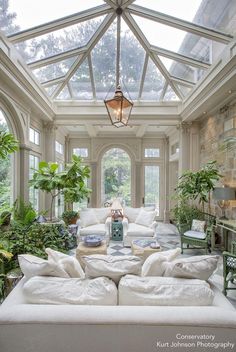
(173, 241)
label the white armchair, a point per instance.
(94, 221)
(138, 224)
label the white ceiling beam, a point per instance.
(51, 82)
(70, 90)
(91, 44)
(91, 75)
(163, 91)
(146, 45)
(145, 64)
(92, 132)
(183, 82)
(127, 3)
(180, 24)
(179, 57)
(141, 131)
(111, 4)
(56, 58)
(60, 23)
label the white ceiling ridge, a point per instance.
(60, 23)
(91, 44)
(57, 57)
(183, 82)
(146, 46)
(180, 24)
(179, 57)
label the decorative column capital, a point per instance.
(184, 126)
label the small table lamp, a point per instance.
(223, 195)
(116, 209)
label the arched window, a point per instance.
(116, 175)
(5, 172)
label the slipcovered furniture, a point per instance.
(138, 223)
(59, 328)
(82, 250)
(198, 238)
(94, 221)
(229, 268)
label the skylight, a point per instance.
(165, 49)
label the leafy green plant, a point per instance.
(198, 185)
(71, 182)
(8, 144)
(70, 216)
(183, 213)
(5, 218)
(23, 212)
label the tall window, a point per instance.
(151, 186)
(83, 152)
(59, 202)
(116, 175)
(59, 147)
(34, 136)
(33, 193)
(5, 172)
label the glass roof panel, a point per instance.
(153, 83)
(28, 15)
(56, 42)
(50, 90)
(170, 95)
(64, 94)
(80, 83)
(54, 70)
(176, 40)
(184, 90)
(205, 13)
(104, 61)
(132, 60)
(182, 71)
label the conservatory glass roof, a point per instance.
(165, 47)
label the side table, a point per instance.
(141, 251)
(82, 250)
(117, 231)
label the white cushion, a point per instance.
(102, 214)
(197, 267)
(166, 229)
(111, 266)
(131, 213)
(88, 217)
(153, 264)
(163, 291)
(70, 264)
(145, 218)
(52, 290)
(150, 208)
(195, 234)
(139, 230)
(34, 266)
(98, 229)
(198, 225)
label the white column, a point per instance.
(184, 147)
(166, 178)
(24, 172)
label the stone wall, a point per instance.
(213, 131)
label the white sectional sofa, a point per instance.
(59, 328)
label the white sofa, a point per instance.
(94, 221)
(136, 227)
(59, 328)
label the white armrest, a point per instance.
(154, 225)
(125, 223)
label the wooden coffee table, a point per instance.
(82, 250)
(141, 251)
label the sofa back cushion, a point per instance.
(53, 290)
(131, 213)
(102, 214)
(33, 266)
(197, 267)
(145, 218)
(88, 217)
(163, 291)
(153, 265)
(113, 267)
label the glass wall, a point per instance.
(33, 193)
(151, 186)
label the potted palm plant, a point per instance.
(70, 217)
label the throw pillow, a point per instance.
(111, 266)
(34, 266)
(153, 265)
(131, 213)
(145, 218)
(52, 290)
(70, 264)
(199, 267)
(88, 217)
(102, 214)
(198, 225)
(163, 291)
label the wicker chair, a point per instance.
(201, 242)
(229, 268)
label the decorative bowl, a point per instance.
(93, 240)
